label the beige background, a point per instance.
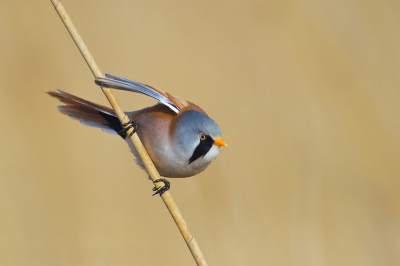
(306, 94)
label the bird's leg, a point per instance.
(161, 190)
(129, 125)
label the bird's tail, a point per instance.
(88, 113)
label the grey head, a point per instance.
(195, 136)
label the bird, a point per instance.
(179, 136)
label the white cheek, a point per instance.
(212, 153)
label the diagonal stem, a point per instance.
(152, 171)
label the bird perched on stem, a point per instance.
(180, 138)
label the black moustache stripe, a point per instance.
(202, 149)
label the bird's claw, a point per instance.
(127, 126)
(161, 190)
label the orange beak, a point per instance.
(220, 142)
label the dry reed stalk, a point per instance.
(154, 175)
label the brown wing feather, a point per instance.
(169, 96)
(192, 106)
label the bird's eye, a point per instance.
(202, 136)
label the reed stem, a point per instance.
(152, 171)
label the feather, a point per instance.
(88, 113)
(111, 81)
(73, 100)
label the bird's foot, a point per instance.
(127, 126)
(161, 190)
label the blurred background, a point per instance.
(307, 97)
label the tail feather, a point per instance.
(88, 113)
(70, 99)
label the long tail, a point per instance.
(88, 113)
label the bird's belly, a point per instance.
(153, 131)
(183, 169)
(168, 165)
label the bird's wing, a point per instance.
(111, 81)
